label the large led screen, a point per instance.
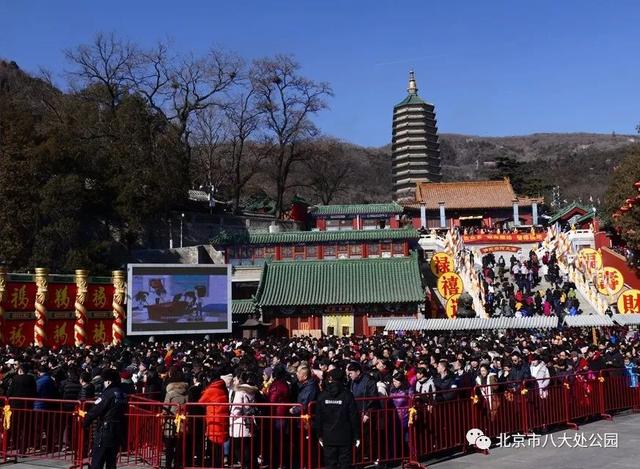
(178, 299)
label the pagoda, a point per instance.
(415, 148)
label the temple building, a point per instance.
(472, 204)
(415, 149)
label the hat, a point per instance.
(11, 362)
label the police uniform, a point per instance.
(109, 414)
(337, 423)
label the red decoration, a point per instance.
(637, 185)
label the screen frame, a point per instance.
(204, 268)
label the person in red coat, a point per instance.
(279, 393)
(216, 418)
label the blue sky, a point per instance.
(491, 67)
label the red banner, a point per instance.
(489, 249)
(20, 296)
(61, 296)
(59, 332)
(508, 237)
(18, 333)
(99, 297)
(99, 331)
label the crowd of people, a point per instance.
(298, 371)
(514, 289)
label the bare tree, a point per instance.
(107, 62)
(196, 84)
(175, 87)
(288, 101)
(327, 167)
(243, 121)
(209, 168)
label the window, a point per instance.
(329, 251)
(270, 252)
(298, 252)
(340, 225)
(373, 249)
(374, 223)
(258, 253)
(398, 249)
(386, 247)
(312, 252)
(286, 252)
(355, 250)
(343, 251)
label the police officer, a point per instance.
(337, 422)
(109, 414)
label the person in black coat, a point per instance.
(87, 389)
(520, 370)
(23, 385)
(443, 381)
(337, 422)
(109, 414)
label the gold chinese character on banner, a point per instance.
(60, 334)
(99, 334)
(19, 298)
(16, 337)
(99, 297)
(449, 284)
(452, 306)
(441, 263)
(609, 281)
(62, 298)
(629, 302)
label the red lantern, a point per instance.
(637, 185)
(624, 209)
(628, 201)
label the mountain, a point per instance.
(581, 164)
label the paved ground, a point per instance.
(626, 455)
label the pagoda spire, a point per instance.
(413, 87)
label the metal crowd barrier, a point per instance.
(396, 429)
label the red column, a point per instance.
(278, 255)
(406, 248)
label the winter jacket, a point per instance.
(307, 393)
(217, 416)
(541, 374)
(443, 384)
(46, 389)
(176, 395)
(241, 417)
(279, 393)
(425, 386)
(70, 390)
(631, 371)
(87, 392)
(109, 412)
(520, 372)
(336, 421)
(364, 387)
(22, 386)
(400, 398)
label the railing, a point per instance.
(398, 429)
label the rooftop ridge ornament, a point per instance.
(413, 86)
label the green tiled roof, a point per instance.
(291, 237)
(242, 307)
(587, 216)
(411, 99)
(341, 282)
(357, 209)
(562, 212)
